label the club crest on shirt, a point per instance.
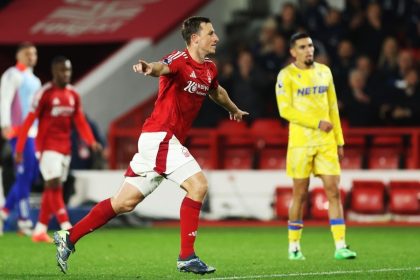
(185, 152)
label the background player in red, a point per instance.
(186, 78)
(57, 105)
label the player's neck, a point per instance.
(302, 65)
(196, 55)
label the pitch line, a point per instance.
(316, 273)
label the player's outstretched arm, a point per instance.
(221, 97)
(154, 69)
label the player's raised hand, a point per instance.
(325, 126)
(143, 67)
(238, 115)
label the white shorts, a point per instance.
(54, 165)
(160, 156)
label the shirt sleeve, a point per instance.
(334, 113)
(214, 83)
(10, 82)
(82, 124)
(36, 110)
(284, 96)
(173, 61)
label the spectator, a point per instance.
(372, 33)
(248, 86)
(388, 59)
(403, 105)
(358, 100)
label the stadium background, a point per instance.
(244, 163)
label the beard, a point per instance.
(309, 62)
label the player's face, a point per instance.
(303, 51)
(28, 56)
(207, 38)
(62, 73)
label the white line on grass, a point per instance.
(316, 273)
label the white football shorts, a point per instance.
(54, 165)
(160, 155)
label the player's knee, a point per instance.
(125, 206)
(198, 191)
(332, 193)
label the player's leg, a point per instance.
(52, 166)
(328, 168)
(299, 167)
(134, 189)
(25, 176)
(190, 177)
(57, 175)
(295, 223)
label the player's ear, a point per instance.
(292, 52)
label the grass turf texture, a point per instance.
(237, 253)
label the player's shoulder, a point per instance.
(175, 55)
(322, 67)
(287, 70)
(45, 89)
(72, 89)
(12, 73)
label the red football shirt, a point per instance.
(181, 94)
(56, 108)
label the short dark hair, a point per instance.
(297, 36)
(58, 59)
(191, 26)
(24, 45)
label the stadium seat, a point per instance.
(404, 197)
(384, 158)
(238, 158)
(319, 203)
(283, 197)
(353, 158)
(200, 143)
(367, 197)
(271, 143)
(385, 152)
(272, 158)
(236, 145)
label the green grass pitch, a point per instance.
(237, 253)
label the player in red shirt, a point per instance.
(186, 78)
(57, 105)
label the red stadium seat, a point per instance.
(202, 156)
(353, 158)
(319, 203)
(238, 158)
(236, 145)
(404, 197)
(271, 143)
(283, 197)
(272, 158)
(200, 143)
(384, 158)
(367, 197)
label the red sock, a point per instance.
(189, 215)
(45, 211)
(57, 205)
(100, 214)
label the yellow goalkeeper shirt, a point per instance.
(304, 98)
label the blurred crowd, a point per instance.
(372, 48)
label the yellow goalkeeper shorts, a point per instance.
(301, 162)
